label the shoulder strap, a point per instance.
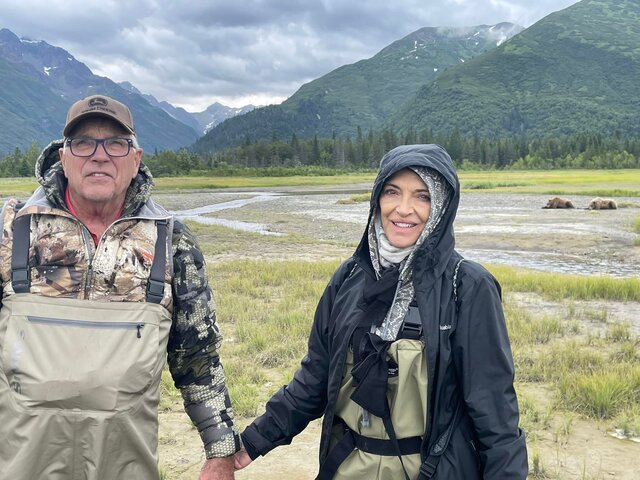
(155, 286)
(428, 467)
(20, 280)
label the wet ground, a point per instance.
(498, 228)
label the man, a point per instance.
(98, 284)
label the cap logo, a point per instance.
(98, 102)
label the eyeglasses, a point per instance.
(87, 146)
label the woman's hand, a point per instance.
(241, 459)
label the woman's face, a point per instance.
(405, 205)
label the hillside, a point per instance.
(39, 83)
(574, 71)
(362, 94)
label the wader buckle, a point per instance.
(427, 470)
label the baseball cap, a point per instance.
(99, 105)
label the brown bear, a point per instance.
(602, 204)
(559, 202)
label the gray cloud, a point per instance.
(237, 52)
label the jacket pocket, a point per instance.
(461, 460)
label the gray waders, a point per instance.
(79, 379)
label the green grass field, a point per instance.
(552, 182)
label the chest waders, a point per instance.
(79, 379)
(381, 411)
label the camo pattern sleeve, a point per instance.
(194, 343)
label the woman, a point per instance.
(409, 359)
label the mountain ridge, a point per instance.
(41, 81)
(574, 71)
(362, 94)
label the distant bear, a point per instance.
(602, 204)
(559, 202)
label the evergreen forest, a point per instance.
(327, 156)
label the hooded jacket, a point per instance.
(194, 338)
(469, 359)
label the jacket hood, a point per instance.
(439, 246)
(50, 175)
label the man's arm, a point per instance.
(194, 362)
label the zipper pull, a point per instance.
(139, 327)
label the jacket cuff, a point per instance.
(248, 446)
(225, 446)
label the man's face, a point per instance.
(99, 180)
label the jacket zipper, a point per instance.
(90, 249)
(138, 326)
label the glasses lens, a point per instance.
(116, 147)
(83, 147)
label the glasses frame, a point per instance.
(100, 141)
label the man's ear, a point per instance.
(62, 160)
(137, 160)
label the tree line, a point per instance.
(325, 156)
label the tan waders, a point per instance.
(79, 388)
(407, 397)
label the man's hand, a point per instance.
(217, 469)
(241, 459)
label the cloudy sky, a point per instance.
(194, 53)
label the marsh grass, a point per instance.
(207, 183)
(266, 308)
(21, 188)
(601, 395)
(169, 394)
(549, 182)
(220, 240)
(533, 416)
(567, 287)
(613, 183)
(357, 198)
(618, 332)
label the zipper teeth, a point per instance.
(86, 323)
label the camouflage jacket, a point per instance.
(194, 339)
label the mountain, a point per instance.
(217, 113)
(363, 94)
(199, 121)
(39, 83)
(577, 70)
(178, 113)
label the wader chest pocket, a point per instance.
(103, 360)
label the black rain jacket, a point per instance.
(468, 351)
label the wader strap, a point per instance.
(376, 446)
(155, 286)
(388, 426)
(412, 326)
(20, 254)
(428, 467)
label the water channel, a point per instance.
(506, 229)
